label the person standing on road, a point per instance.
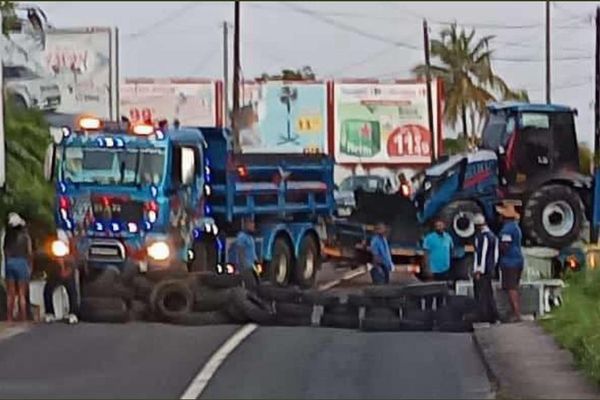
(511, 257)
(244, 253)
(18, 261)
(61, 273)
(382, 263)
(438, 246)
(486, 258)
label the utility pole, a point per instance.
(429, 100)
(548, 87)
(236, 79)
(596, 158)
(225, 74)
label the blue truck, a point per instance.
(143, 200)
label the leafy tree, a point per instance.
(585, 158)
(469, 80)
(27, 192)
(455, 145)
(9, 18)
(303, 74)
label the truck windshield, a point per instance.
(113, 166)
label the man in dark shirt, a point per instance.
(486, 258)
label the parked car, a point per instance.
(344, 192)
(29, 90)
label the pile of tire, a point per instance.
(414, 307)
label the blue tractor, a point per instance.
(528, 156)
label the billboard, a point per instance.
(194, 102)
(283, 117)
(383, 123)
(60, 71)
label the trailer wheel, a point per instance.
(458, 217)
(553, 216)
(281, 263)
(308, 263)
(205, 256)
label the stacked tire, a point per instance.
(108, 299)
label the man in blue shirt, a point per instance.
(486, 258)
(244, 253)
(438, 246)
(381, 255)
(511, 257)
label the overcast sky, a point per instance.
(352, 40)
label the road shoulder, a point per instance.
(525, 362)
(8, 330)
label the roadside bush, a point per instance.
(575, 324)
(26, 139)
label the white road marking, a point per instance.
(349, 275)
(7, 330)
(198, 384)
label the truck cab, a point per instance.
(133, 197)
(532, 141)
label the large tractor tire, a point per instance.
(205, 256)
(458, 217)
(553, 216)
(308, 262)
(281, 263)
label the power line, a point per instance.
(348, 28)
(363, 61)
(525, 59)
(172, 15)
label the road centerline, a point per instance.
(200, 381)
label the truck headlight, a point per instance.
(59, 248)
(159, 251)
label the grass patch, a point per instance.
(576, 324)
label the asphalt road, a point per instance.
(141, 360)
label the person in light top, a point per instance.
(18, 255)
(486, 258)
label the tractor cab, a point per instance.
(532, 141)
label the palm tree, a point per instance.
(469, 80)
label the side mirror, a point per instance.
(336, 187)
(501, 150)
(49, 162)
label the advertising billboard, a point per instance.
(60, 71)
(194, 102)
(283, 117)
(383, 123)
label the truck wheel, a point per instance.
(281, 263)
(308, 263)
(458, 217)
(205, 256)
(553, 216)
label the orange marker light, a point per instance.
(143, 129)
(89, 123)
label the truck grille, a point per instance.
(106, 251)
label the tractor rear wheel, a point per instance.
(553, 216)
(458, 217)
